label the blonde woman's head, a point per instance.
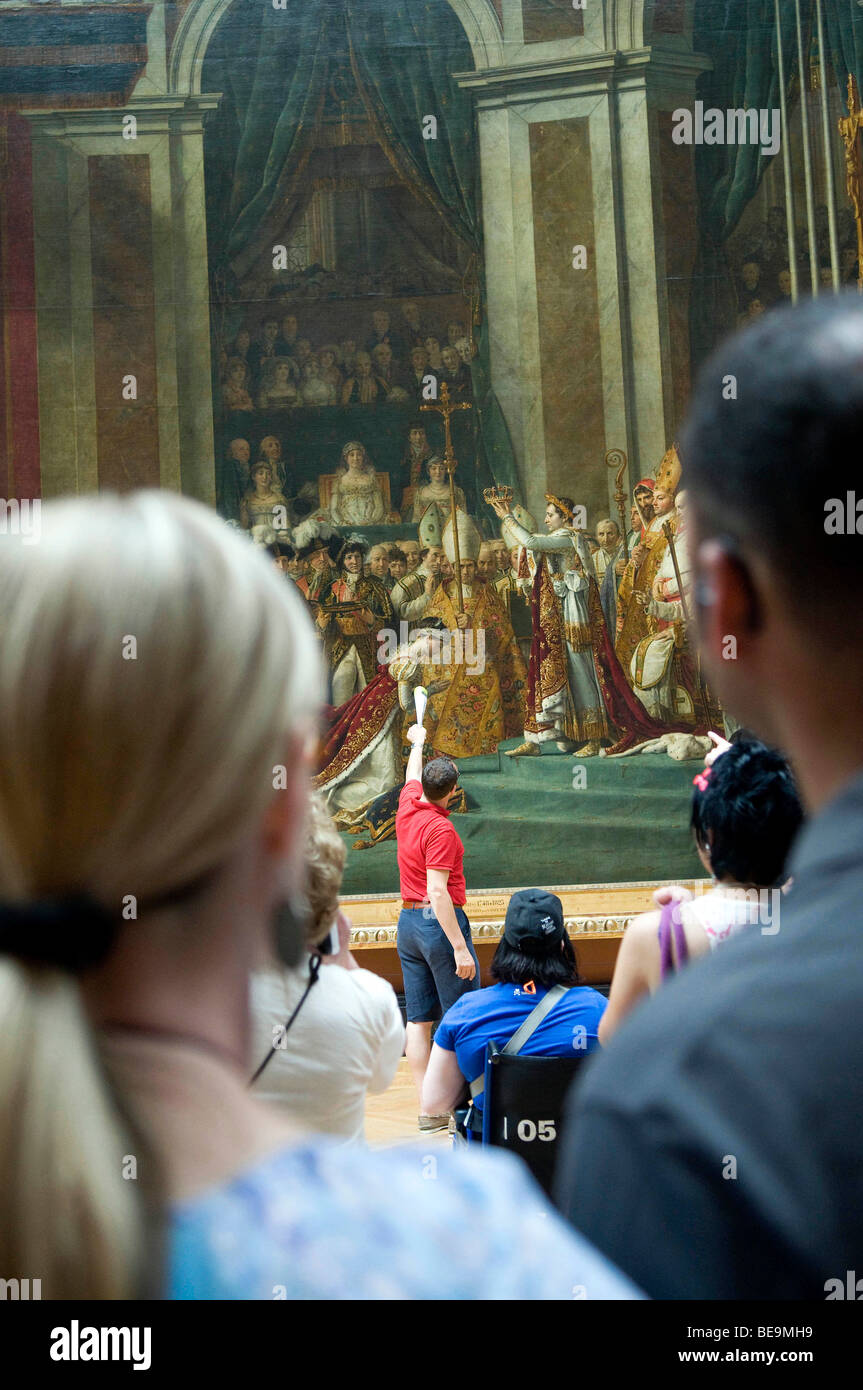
(155, 670)
(325, 864)
(157, 684)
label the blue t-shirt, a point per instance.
(314, 1221)
(494, 1014)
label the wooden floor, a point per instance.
(391, 1118)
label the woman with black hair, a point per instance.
(745, 816)
(534, 955)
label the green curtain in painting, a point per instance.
(843, 24)
(740, 37)
(273, 66)
(404, 53)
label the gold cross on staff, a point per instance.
(446, 408)
(849, 129)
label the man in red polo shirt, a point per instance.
(438, 961)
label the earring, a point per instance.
(289, 934)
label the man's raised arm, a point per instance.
(416, 737)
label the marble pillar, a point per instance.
(576, 151)
(122, 290)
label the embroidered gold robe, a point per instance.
(635, 623)
(477, 708)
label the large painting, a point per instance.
(412, 291)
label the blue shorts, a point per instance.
(428, 964)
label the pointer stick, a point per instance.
(421, 696)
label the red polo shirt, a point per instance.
(427, 840)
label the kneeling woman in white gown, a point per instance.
(360, 761)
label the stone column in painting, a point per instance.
(122, 297)
(590, 239)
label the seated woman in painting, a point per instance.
(277, 390)
(357, 499)
(265, 503)
(314, 390)
(435, 491)
(235, 395)
(328, 358)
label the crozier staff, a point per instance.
(437, 957)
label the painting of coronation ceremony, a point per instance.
(430, 740)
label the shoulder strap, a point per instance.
(526, 1031)
(533, 1020)
(671, 925)
(314, 971)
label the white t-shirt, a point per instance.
(348, 1039)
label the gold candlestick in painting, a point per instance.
(447, 408)
(849, 129)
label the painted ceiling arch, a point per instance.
(202, 17)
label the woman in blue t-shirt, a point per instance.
(533, 956)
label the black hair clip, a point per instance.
(73, 933)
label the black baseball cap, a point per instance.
(533, 918)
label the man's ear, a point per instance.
(726, 600)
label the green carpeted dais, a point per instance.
(528, 825)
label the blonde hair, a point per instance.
(325, 863)
(155, 667)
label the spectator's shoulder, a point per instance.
(377, 989)
(378, 1228)
(591, 996)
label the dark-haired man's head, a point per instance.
(771, 453)
(352, 558)
(285, 557)
(534, 946)
(746, 815)
(439, 780)
(644, 498)
(398, 563)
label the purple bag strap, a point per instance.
(670, 923)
